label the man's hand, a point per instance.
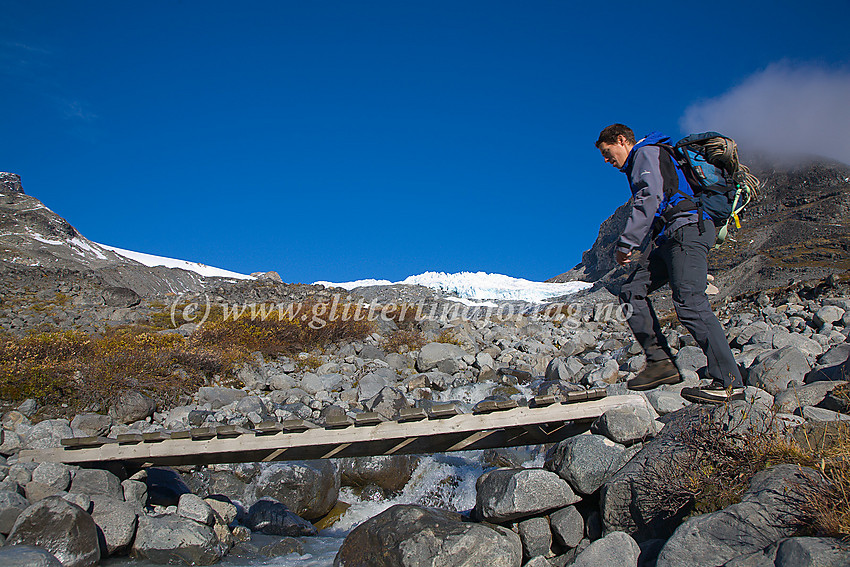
(623, 258)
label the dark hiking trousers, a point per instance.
(681, 260)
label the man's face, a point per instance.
(616, 154)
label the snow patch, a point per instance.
(151, 261)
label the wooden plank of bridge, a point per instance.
(511, 427)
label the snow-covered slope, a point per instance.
(478, 286)
(152, 261)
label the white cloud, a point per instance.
(786, 108)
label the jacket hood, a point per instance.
(648, 140)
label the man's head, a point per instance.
(615, 142)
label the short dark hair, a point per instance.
(610, 134)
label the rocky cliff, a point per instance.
(797, 230)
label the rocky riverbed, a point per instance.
(590, 500)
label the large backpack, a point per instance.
(721, 185)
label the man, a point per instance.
(677, 253)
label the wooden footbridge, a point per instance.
(441, 429)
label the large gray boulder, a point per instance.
(54, 475)
(91, 424)
(767, 513)
(508, 494)
(567, 526)
(175, 539)
(535, 536)
(61, 528)
(587, 461)
(131, 406)
(11, 506)
(47, 434)
(444, 357)
(97, 481)
(116, 520)
(773, 371)
(219, 397)
(308, 488)
(271, 517)
(390, 472)
(27, 556)
(812, 552)
(413, 536)
(195, 508)
(615, 548)
(388, 402)
(627, 424)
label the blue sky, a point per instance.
(340, 140)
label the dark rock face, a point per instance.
(61, 528)
(132, 406)
(389, 472)
(174, 539)
(120, 297)
(10, 183)
(308, 488)
(409, 535)
(273, 518)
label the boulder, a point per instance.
(165, 486)
(665, 402)
(567, 526)
(97, 481)
(626, 424)
(271, 517)
(616, 548)
(116, 521)
(120, 297)
(388, 402)
(27, 556)
(774, 370)
(812, 552)
(390, 472)
(407, 535)
(535, 536)
(195, 508)
(308, 488)
(444, 357)
(61, 528)
(587, 461)
(691, 358)
(372, 383)
(47, 434)
(11, 506)
(508, 494)
(91, 424)
(219, 397)
(135, 493)
(767, 513)
(131, 406)
(54, 475)
(175, 539)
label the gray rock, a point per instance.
(388, 402)
(372, 383)
(536, 536)
(84, 502)
(390, 472)
(410, 535)
(433, 354)
(370, 352)
(92, 424)
(226, 511)
(772, 372)
(132, 406)
(538, 561)
(47, 434)
(567, 526)
(806, 345)
(807, 395)
(828, 314)
(510, 494)
(587, 461)
(252, 404)
(21, 472)
(11, 506)
(135, 492)
(625, 424)
(557, 370)
(812, 552)
(35, 491)
(219, 397)
(97, 481)
(27, 556)
(61, 528)
(194, 508)
(271, 517)
(821, 415)
(120, 297)
(768, 512)
(308, 488)
(616, 548)
(11, 442)
(172, 538)
(54, 475)
(28, 407)
(665, 402)
(117, 522)
(691, 358)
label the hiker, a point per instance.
(676, 253)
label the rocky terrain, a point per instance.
(623, 493)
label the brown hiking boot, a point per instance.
(654, 375)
